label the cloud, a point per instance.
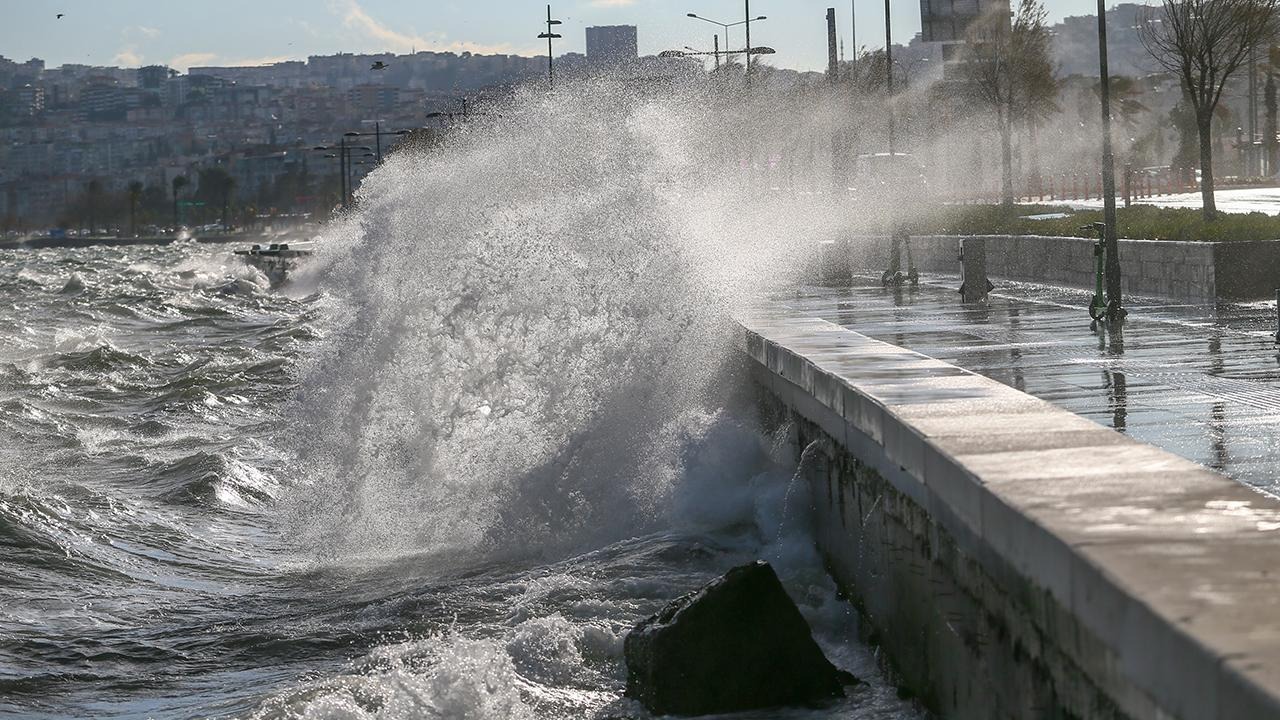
(185, 61)
(357, 19)
(256, 62)
(149, 32)
(128, 57)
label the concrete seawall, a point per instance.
(1193, 271)
(1014, 560)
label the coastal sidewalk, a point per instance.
(1202, 382)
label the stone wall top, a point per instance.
(1174, 567)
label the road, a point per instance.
(1245, 200)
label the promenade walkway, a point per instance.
(1230, 200)
(1201, 382)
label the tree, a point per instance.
(1204, 43)
(216, 184)
(1271, 126)
(1011, 70)
(179, 182)
(1126, 104)
(93, 192)
(1183, 118)
(135, 193)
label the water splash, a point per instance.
(532, 322)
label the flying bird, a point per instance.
(60, 15)
(379, 65)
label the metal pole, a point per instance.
(717, 41)
(888, 65)
(342, 169)
(853, 29)
(551, 65)
(1253, 112)
(833, 59)
(748, 71)
(1109, 173)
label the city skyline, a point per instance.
(132, 33)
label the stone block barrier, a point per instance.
(1011, 559)
(1186, 271)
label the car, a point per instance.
(884, 177)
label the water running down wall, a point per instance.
(1014, 560)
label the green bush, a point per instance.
(1141, 222)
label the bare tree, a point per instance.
(1204, 43)
(1010, 70)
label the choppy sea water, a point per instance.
(147, 571)
(495, 424)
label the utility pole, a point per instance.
(748, 61)
(853, 30)
(342, 169)
(888, 69)
(1114, 309)
(1253, 113)
(717, 43)
(833, 59)
(549, 36)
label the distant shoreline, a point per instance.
(43, 243)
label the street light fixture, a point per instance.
(377, 135)
(758, 50)
(549, 35)
(726, 26)
(342, 165)
(1115, 309)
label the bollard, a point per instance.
(973, 270)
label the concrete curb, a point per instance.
(1158, 577)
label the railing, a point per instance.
(1078, 187)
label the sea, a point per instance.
(498, 419)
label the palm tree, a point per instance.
(217, 184)
(135, 192)
(1125, 100)
(179, 182)
(93, 191)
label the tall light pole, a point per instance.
(377, 135)
(549, 36)
(853, 28)
(727, 41)
(888, 70)
(748, 23)
(1114, 309)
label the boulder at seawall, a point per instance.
(737, 644)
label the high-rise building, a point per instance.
(152, 77)
(612, 44)
(948, 20)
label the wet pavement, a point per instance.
(1233, 200)
(1199, 381)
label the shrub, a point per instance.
(1140, 222)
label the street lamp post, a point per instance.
(377, 134)
(341, 157)
(1115, 310)
(726, 26)
(549, 36)
(888, 69)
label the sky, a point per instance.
(182, 33)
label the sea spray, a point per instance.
(531, 319)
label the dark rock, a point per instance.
(737, 644)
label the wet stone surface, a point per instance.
(1199, 381)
